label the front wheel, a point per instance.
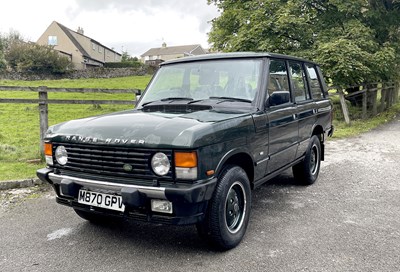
(307, 170)
(229, 210)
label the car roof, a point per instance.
(233, 55)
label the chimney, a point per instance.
(80, 30)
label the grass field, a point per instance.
(19, 123)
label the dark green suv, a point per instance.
(206, 131)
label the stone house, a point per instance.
(83, 51)
(155, 56)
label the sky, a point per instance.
(133, 26)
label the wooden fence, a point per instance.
(43, 101)
(366, 97)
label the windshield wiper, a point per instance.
(231, 98)
(168, 99)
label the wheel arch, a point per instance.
(240, 158)
(319, 132)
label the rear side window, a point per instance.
(315, 86)
(299, 82)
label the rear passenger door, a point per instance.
(282, 122)
(323, 106)
(306, 108)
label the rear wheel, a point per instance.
(306, 172)
(229, 210)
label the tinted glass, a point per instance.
(205, 79)
(299, 82)
(278, 80)
(315, 85)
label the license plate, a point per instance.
(112, 202)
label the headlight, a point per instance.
(61, 155)
(160, 164)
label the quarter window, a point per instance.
(315, 85)
(299, 82)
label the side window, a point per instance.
(315, 85)
(278, 83)
(299, 82)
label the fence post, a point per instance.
(383, 98)
(392, 93)
(344, 107)
(396, 91)
(43, 116)
(364, 104)
(374, 101)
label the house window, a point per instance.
(93, 46)
(100, 49)
(52, 40)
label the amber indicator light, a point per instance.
(48, 149)
(186, 159)
(210, 172)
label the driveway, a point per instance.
(348, 221)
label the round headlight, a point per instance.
(61, 155)
(160, 164)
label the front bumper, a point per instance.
(189, 201)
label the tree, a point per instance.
(128, 58)
(355, 41)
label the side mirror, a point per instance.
(278, 98)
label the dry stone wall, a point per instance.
(88, 73)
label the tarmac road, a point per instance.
(348, 221)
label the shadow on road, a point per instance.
(166, 238)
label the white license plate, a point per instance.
(112, 202)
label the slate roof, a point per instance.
(172, 50)
(68, 31)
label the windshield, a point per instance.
(216, 79)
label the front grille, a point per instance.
(109, 161)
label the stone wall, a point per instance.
(76, 74)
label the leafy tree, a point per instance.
(128, 58)
(355, 41)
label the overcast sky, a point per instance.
(129, 25)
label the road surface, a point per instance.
(348, 221)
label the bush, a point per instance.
(31, 57)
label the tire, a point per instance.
(228, 211)
(306, 172)
(91, 217)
